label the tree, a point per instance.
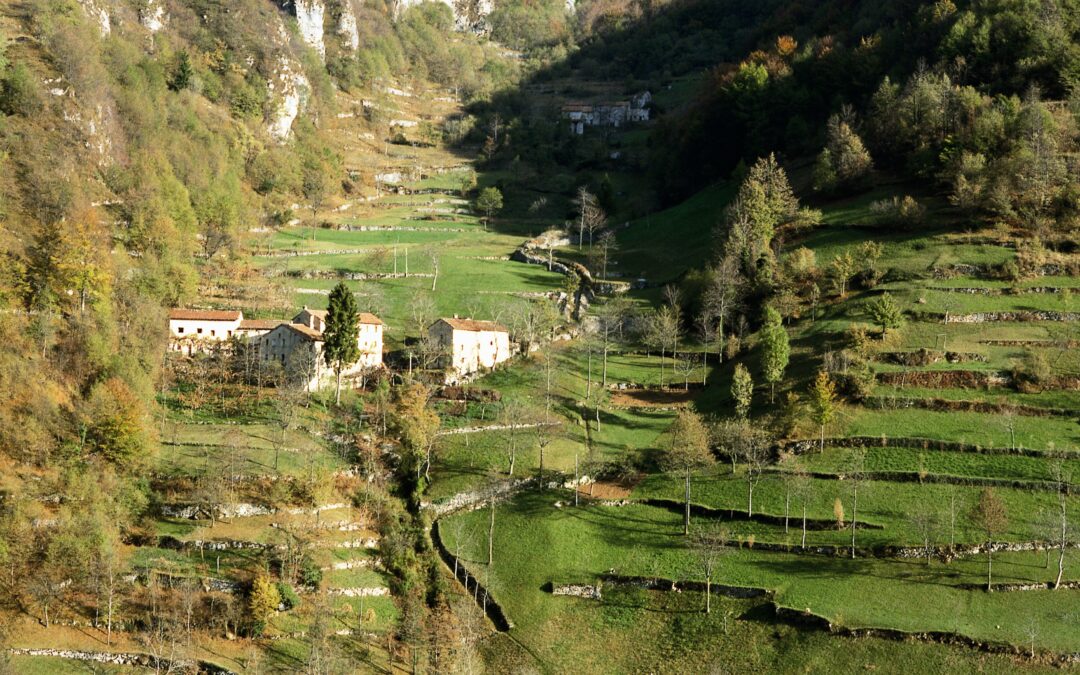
(262, 602)
(685, 365)
(688, 448)
(287, 400)
(416, 425)
(589, 212)
(886, 313)
(743, 441)
(607, 244)
(512, 417)
(842, 268)
(989, 516)
(764, 202)
(708, 547)
(775, 350)
(611, 316)
(662, 332)
(822, 402)
(742, 390)
(315, 186)
(183, 74)
(802, 487)
(925, 523)
(855, 475)
(115, 424)
(340, 347)
(722, 292)
(1062, 535)
(489, 202)
(847, 155)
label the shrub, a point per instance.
(904, 210)
(310, 573)
(289, 598)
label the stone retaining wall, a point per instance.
(480, 594)
(801, 446)
(586, 591)
(121, 659)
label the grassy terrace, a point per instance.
(887, 504)
(537, 544)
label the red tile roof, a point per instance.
(261, 324)
(368, 318)
(205, 315)
(364, 317)
(473, 325)
(303, 329)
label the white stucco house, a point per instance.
(196, 330)
(470, 345)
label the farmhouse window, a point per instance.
(180, 330)
(200, 331)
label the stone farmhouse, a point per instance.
(297, 345)
(607, 113)
(469, 345)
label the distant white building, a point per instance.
(470, 345)
(196, 330)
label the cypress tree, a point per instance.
(340, 348)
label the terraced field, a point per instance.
(978, 389)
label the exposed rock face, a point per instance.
(98, 14)
(347, 26)
(291, 89)
(309, 16)
(152, 16)
(469, 15)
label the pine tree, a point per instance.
(742, 390)
(775, 350)
(340, 348)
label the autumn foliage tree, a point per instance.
(687, 449)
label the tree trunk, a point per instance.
(787, 510)
(708, 594)
(337, 394)
(491, 534)
(605, 359)
(588, 382)
(577, 481)
(822, 449)
(686, 515)
(749, 492)
(854, 517)
(1061, 563)
(989, 566)
(804, 525)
